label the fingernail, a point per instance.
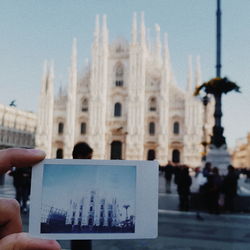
(37, 152)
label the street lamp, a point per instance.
(218, 86)
(205, 100)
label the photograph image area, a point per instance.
(88, 199)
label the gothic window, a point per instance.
(83, 128)
(152, 104)
(59, 153)
(176, 128)
(151, 155)
(60, 128)
(118, 109)
(119, 83)
(84, 105)
(176, 156)
(119, 76)
(151, 128)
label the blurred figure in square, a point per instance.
(202, 181)
(229, 188)
(183, 187)
(168, 176)
(214, 184)
(22, 182)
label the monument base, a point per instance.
(219, 157)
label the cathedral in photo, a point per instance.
(125, 103)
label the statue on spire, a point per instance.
(97, 30)
(158, 42)
(190, 75)
(143, 32)
(134, 29)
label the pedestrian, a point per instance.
(176, 172)
(82, 151)
(229, 187)
(183, 188)
(202, 179)
(168, 176)
(207, 169)
(10, 220)
(22, 183)
(197, 170)
(214, 184)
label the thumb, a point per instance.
(21, 241)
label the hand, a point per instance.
(11, 237)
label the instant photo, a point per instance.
(90, 199)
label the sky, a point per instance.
(61, 183)
(32, 31)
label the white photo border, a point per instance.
(146, 225)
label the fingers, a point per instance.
(21, 241)
(19, 157)
(10, 219)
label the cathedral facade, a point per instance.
(126, 104)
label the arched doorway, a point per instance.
(176, 156)
(151, 155)
(116, 150)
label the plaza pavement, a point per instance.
(177, 230)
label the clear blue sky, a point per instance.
(32, 31)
